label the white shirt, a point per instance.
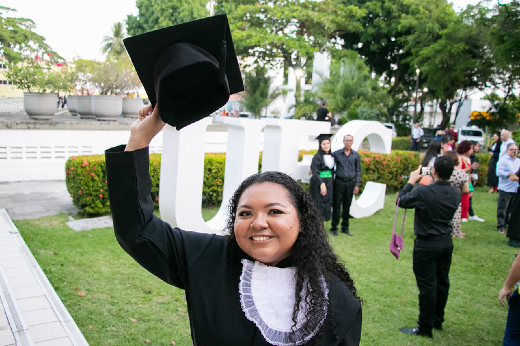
(506, 166)
(417, 133)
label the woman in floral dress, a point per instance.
(458, 179)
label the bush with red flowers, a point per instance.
(86, 178)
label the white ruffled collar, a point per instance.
(267, 299)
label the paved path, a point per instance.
(31, 313)
(33, 199)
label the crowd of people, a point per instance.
(443, 201)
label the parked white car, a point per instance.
(391, 127)
(471, 133)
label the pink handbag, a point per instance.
(396, 243)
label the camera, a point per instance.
(426, 171)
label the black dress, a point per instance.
(321, 173)
(199, 263)
(492, 179)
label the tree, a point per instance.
(114, 44)
(351, 90)
(504, 39)
(501, 114)
(450, 51)
(157, 14)
(256, 94)
(114, 76)
(18, 40)
(288, 31)
(381, 42)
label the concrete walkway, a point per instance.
(31, 313)
(33, 199)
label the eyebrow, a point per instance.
(265, 206)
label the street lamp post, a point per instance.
(212, 7)
(298, 73)
(417, 71)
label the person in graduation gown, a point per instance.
(272, 278)
(322, 168)
(244, 288)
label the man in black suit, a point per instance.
(434, 206)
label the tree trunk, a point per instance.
(445, 106)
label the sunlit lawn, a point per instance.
(125, 305)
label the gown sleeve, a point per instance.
(316, 164)
(164, 251)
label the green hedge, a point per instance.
(516, 136)
(402, 143)
(86, 178)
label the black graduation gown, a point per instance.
(492, 179)
(199, 263)
(324, 203)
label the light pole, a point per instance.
(212, 7)
(418, 72)
(298, 73)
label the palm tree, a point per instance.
(114, 44)
(256, 94)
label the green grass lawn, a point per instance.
(125, 305)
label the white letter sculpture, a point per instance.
(182, 163)
(380, 140)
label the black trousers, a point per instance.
(431, 266)
(470, 209)
(504, 207)
(343, 193)
(415, 145)
(513, 231)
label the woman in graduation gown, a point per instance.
(322, 168)
(272, 279)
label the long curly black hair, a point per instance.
(312, 254)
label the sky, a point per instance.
(74, 28)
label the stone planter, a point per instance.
(84, 107)
(131, 107)
(40, 106)
(107, 107)
(72, 104)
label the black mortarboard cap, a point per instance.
(188, 69)
(324, 136)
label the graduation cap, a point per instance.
(324, 136)
(188, 69)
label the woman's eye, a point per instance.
(244, 213)
(275, 211)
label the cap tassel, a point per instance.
(222, 62)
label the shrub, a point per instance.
(86, 178)
(86, 182)
(516, 136)
(483, 161)
(213, 183)
(401, 143)
(390, 169)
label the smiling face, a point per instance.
(325, 145)
(266, 224)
